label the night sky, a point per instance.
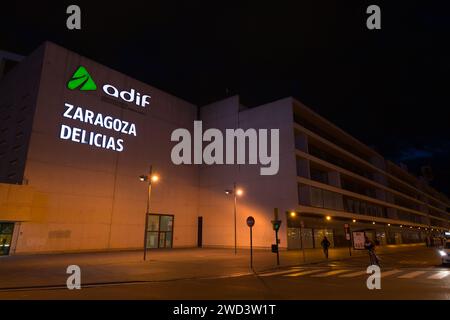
(388, 87)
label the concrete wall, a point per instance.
(90, 198)
(261, 193)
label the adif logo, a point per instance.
(128, 96)
(83, 81)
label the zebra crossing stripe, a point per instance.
(389, 273)
(330, 273)
(276, 273)
(411, 275)
(439, 275)
(353, 274)
(301, 273)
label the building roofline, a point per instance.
(11, 56)
(367, 148)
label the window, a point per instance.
(159, 231)
(6, 231)
(319, 175)
(326, 199)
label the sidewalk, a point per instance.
(162, 265)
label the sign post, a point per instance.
(276, 226)
(251, 223)
(348, 237)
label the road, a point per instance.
(414, 274)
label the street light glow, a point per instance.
(373, 222)
(293, 214)
(239, 192)
(155, 178)
(389, 224)
(354, 220)
(328, 218)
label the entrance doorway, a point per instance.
(160, 231)
(6, 232)
(200, 232)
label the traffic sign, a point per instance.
(250, 221)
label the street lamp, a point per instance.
(149, 178)
(235, 192)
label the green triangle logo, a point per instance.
(81, 80)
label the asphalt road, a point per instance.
(405, 275)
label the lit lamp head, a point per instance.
(152, 178)
(328, 218)
(293, 214)
(239, 192)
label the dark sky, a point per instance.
(389, 87)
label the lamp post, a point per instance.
(235, 192)
(149, 178)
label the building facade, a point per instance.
(75, 136)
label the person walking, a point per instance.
(325, 245)
(370, 246)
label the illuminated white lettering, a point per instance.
(99, 120)
(66, 132)
(76, 133)
(78, 115)
(119, 145)
(144, 100)
(111, 144)
(107, 89)
(132, 130)
(96, 143)
(108, 122)
(89, 116)
(127, 95)
(125, 126)
(117, 125)
(67, 112)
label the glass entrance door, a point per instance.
(6, 232)
(159, 231)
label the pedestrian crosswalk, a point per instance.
(322, 272)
